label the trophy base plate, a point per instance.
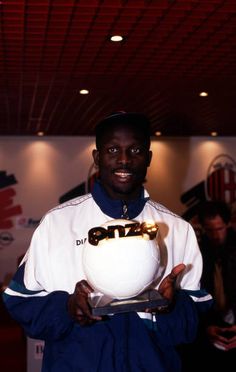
(104, 305)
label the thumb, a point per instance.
(176, 271)
(167, 286)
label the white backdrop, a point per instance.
(46, 168)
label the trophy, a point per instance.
(121, 262)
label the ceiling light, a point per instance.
(116, 38)
(203, 94)
(40, 133)
(84, 91)
(158, 133)
(214, 134)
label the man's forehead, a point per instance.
(124, 139)
(214, 222)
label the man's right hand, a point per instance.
(78, 306)
(222, 337)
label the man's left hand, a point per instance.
(167, 287)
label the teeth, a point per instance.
(123, 174)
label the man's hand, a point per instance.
(78, 306)
(167, 288)
(222, 337)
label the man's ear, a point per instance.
(149, 157)
(95, 154)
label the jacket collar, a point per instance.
(115, 208)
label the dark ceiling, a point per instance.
(172, 50)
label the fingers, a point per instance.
(79, 306)
(176, 271)
(83, 287)
(167, 286)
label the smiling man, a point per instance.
(49, 293)
(123, 154)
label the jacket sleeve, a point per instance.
(31, 298)
(180, 325)
(42, 315)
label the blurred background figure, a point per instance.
(216, 341)
(218, 247)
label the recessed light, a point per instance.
(214, 134)
(203, 94)
(40, 133)
(84, 91)
(116, 38)
(158, 133)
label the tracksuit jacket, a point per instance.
(38, 294)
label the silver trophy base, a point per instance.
(103, 305)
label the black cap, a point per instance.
(135, 119)
(126, 117)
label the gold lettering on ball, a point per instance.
(145, 230)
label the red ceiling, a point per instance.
(171, 51)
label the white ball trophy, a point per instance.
(121, 262)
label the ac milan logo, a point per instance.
(221, 179)
(220, 184)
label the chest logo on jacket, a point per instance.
(81, 241)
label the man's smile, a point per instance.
(123, 174)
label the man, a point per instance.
(49, 293)
(218, 246)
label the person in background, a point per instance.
(49, 293)
(218, 247)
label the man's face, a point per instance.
(216, 230)
(122, 160)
